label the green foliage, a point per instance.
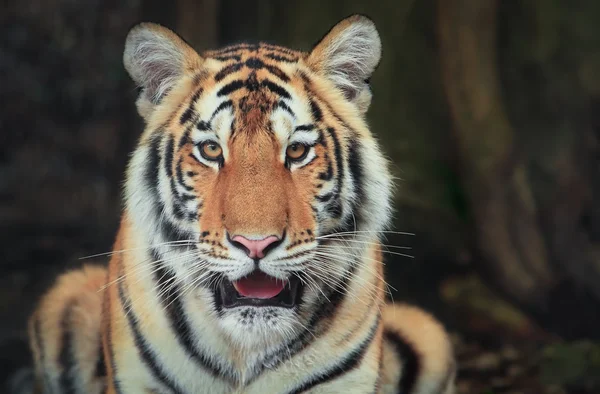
(572, 364)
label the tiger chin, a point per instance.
(248, 256)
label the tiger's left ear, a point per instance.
(348, 55)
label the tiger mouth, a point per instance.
(259, 289)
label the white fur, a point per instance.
(352, 56)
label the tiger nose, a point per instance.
(255, 248)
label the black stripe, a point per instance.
(281, 58)
(229, 50)
(321, 139)
(329, 107)
(335, 208)
(237, 58)
(304, 127)
(148, 356)
(186, 116)
(273, 87)
(100, 363)
(189, 112)
(188, 197)
(325, 197)
(232, 68)
(281, 104)
(339, 160)
(178, 206)
(168, 158)
(277, 72)
(180, 180)
(193, 216)
(178, 210)
(66, 357)
(230, 87)
(409, 359)
(328, 175)
(237, 47)
(151, 171)
(223, 106)
(185, 138)
(171, 302)
(278, 49)
(171, 232)
(254, 63)
(316, 111)
(251, 83)
(346, 365)
(203, 125)
(357, 173)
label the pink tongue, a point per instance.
(259, 285)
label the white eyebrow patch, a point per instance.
(200, 135)
(282, 124)
(222, 124)
(306, 137)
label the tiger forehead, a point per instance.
(252, 79)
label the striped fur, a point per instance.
(159, 316)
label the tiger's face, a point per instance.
(255, 170)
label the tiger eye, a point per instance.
(211, 150)
(296, 151)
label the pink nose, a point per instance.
(255, 248)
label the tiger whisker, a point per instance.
(359, 264)
(364, 231)
(382, 251)
(356, 262)
(178, 242)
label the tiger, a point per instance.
(248, 257)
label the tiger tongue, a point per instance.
(259, 285)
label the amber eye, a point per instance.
(296, 152)
(211, 150)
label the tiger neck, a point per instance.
(138, 273)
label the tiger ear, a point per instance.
(348, 55)
(156, 58)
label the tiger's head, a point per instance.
(257, 182)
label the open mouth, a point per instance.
(260, 289)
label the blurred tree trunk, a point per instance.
(494, 176)
(516, 227)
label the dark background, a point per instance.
(489, 110)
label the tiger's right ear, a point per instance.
(348, 55)
(156, 58)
